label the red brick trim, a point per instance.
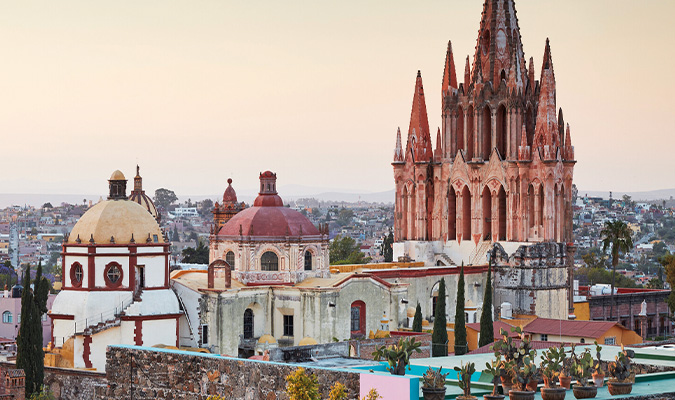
(61, 316)
(138, 332)
(87, 351)
(422, 272)
(178, 331)
(150, 317)
(133, 259)
(108, 282)
(73, 281)
(91, 267)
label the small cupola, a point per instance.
(268, 183)
(118, 186)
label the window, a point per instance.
(288, 325)
(358, 319)
(113, 275)
(7, 317)
(205, 334)
(18, 318)
(229, 258)
(76, 274)
(544, 337)
(248, 324)
(610, 340)
(308, 261)
(269, 261)
(155, 238)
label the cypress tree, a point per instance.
(487, 334)
(30, 355)
(417, 321)
(439, 337)
(460, 321)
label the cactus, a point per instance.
(465, 372)
(434, 378)
(621, 369)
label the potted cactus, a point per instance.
(433, 384)
(495, 369)
(550, 370)
(565, 377)
(621, 374)
(464, 376)
(598, 374)
(398, 355)
(582, 371)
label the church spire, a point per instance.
(398, 151)
(438, 153)
(449, 75)
(467, 75)
(524, 149)
(546, 128)
(138, 181)
(530, 75)
(418, 132)
(568, 150)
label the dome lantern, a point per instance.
(118, 186)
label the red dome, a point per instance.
(268, 221)
(230, 196)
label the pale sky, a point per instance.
(198, 91)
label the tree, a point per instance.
(487, 333)
(460, 321)
(345, 250)
(175, 237)
(594, 258)
(30, 355)
(302, 386)
(165, 197)
(660, 249)
(617, 236)
(345, 217)
(654, 283)
(388, 247)
(417, 320)
(47, 205)
(439, 337)
(205, 207)
(668, 261)
(198, 255)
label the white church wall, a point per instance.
(101, 263)
(70, 260)
(155, 267)
(100, 341)
(161, 331)
(189, 331)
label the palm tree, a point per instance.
(617, 235)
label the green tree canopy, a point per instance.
(388, 247)
(345, 217)
(460, 320)
(417, 320)
(439, 336)
(345, 250)
(616, 237)
(165, 197)
(487, 333)
(198, 255)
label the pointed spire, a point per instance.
(467, 75)
(561, 127)
(547, 122)
(524, 151)
(449, 75)
(547, 62)
(438, 153)
(568, 149)
(530, 74)
(419, 125)
(511, 82)
(398, 151)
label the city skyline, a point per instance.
(313, 92)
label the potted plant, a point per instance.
(598, 374)
(398, 355)
(433, 384)
(565, 378)
(464, 376)
(518, 364)
(582, 371)
(621, 374)
(494, 369)
(550, 370)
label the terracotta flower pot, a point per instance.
(548, 393)
(521, 395)
(493, 397)
(598, 378)
(433, 393)
(584, 392)
(532, 385)
(619, 388)
(565, 381)
(469, 397)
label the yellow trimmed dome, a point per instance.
(117, 176)
(119, 219)
(307, 341)
(267, 339)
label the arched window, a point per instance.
(308, 261)
(76, 274)
(269, 261)
(7, 317)
(113, 275)
(229, 258)
(248, 324)
(358, 319)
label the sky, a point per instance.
(200, 91)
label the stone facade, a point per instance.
(364, 349)
(73, 384)
(503, 164)
(142, 373)
(627, 307)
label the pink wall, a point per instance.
(391, 387)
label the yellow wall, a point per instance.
(623, 336)
(582, 311)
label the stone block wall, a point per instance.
(364, 348)
(144, 373)
(75, 384)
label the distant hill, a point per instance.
(662, 194)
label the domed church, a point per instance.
(115, 283)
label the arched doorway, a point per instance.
(487, 213)
(248, 324)
(501, 201)
(452, 214)
(466, 213)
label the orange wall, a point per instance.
(623, 336)
(582, 311)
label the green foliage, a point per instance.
(668, 262)
(552, 364)
(617, 236)
(301, 386)
(518, 360)
(417, 320)
(199, 255)
(654, 283)
(398, 355)
(487, 334)
(434, 378)
(372, 395)
(460, 321)
(465, 372)
(620, 369)
(388, 247)
(338, 392)
(345, 250)
(43, 394)
(30, 355)
(601, 275)
(345, 217)
(582, 367)
(165, 197)
(205, 207)
(495, 369)
(439, 337)
(598, 365)
(660, 249)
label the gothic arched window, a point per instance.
(7, 317)
(308, 261)
(229, 258)
(269, 261)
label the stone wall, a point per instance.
(144, 373)
(72, 384)
(364, 348)
(628, 307)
